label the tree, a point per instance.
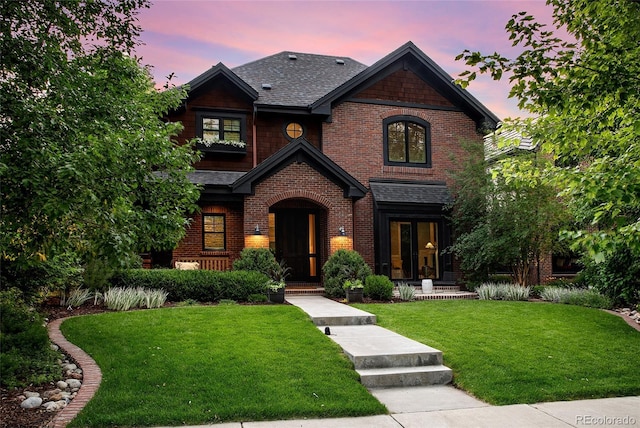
(502, 221)
(585, 95)
(87, 166)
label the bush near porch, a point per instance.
(199, 285)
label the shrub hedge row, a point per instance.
(200, 285)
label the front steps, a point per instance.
(381, 357)
(386, 359)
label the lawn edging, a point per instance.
(91, 376)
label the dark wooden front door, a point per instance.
(295, 242)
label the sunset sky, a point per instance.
(187, 37)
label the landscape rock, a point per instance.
(29, 394)
(51, 392)
(62, 385)
(31, 403)
(70, 367)
(51, 406)
(73, 383)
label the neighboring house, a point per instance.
(308, 154)
(552, 265)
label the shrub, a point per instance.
(554, 294)
(501, 278)
(123, 299)
(617, 277)
(76, 297)
(199, 285)
(341, 266)
(35, 282)
(378, 287)
(575, 296)
(407, 292)
(25, 352)
(257, 259)
(96, 274)
(492, 291)
(257, 298)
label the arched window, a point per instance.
(407, 141)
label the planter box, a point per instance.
(222, 148)
(276, 296)
(355, 295)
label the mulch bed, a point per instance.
(14, 416)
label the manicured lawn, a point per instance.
(197, 365)
(520, 352)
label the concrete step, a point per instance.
(405, 376)
(326, 312)
(372, 346)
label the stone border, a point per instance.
(625, 317)
(91, 376)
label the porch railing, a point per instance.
(207, 263)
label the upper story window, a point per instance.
(293, 130)
(221, 132)
(213, 232)
(407, 141)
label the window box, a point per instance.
(234, 148)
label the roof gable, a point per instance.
(409, 57)
(300, 151)
(221, 71)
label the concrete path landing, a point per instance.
(325, 311)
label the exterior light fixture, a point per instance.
(256, 231)
(342, 231)
(429, 246)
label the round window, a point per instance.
(294, 130)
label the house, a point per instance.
(307, 154)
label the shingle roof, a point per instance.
(410, 193)
(297, 82)
(214, 178)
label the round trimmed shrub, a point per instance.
(256, 259)
(378, 287)
(341, 266)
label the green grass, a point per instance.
(520, 352)
(197, 365)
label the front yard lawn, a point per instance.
(202, 365)
(521, 352)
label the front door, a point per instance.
(296, 240)
(414, 249)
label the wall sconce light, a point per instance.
(429, 246)
(342, 231)
(256, 231)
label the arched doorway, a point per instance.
(297, 236)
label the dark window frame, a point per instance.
(224, 232)
(406, 119)
(286, 124)
(221, 116)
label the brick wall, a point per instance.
(354, 140)
(192, 246)
(300, 181)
